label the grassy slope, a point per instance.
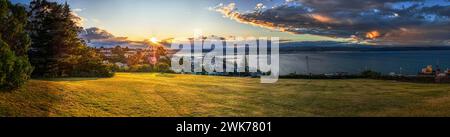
(184, 95)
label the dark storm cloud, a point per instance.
(376, 21)
(96, 37)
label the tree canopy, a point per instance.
(14, 45)
(56, 49)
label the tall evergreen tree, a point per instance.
(56, 48)
(42, 54)
(14, 43)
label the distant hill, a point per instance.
(343, 46)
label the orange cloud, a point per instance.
(321, 18)
(373, 34)
(229, 11)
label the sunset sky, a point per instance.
(383, 21)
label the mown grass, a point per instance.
(167, 95)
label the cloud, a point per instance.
(260, 7)
(373, 21)
(77, 10)
(96, 37)
(78, 19)
(230, 11)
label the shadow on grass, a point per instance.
(165, 75)
(67, 79)
(34, 99)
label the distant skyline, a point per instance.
(369, 21)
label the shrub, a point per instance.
(104, 71)
(162, 67)
(370, 74)
(141, 68)
(14, 71)
(116, 68)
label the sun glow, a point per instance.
(154, 40)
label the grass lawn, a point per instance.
(145, 94)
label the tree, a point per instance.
(57, 49)
(136, 59)
(118, 55)
(15, 69)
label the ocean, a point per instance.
(353, 62)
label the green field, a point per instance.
(167, 95)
